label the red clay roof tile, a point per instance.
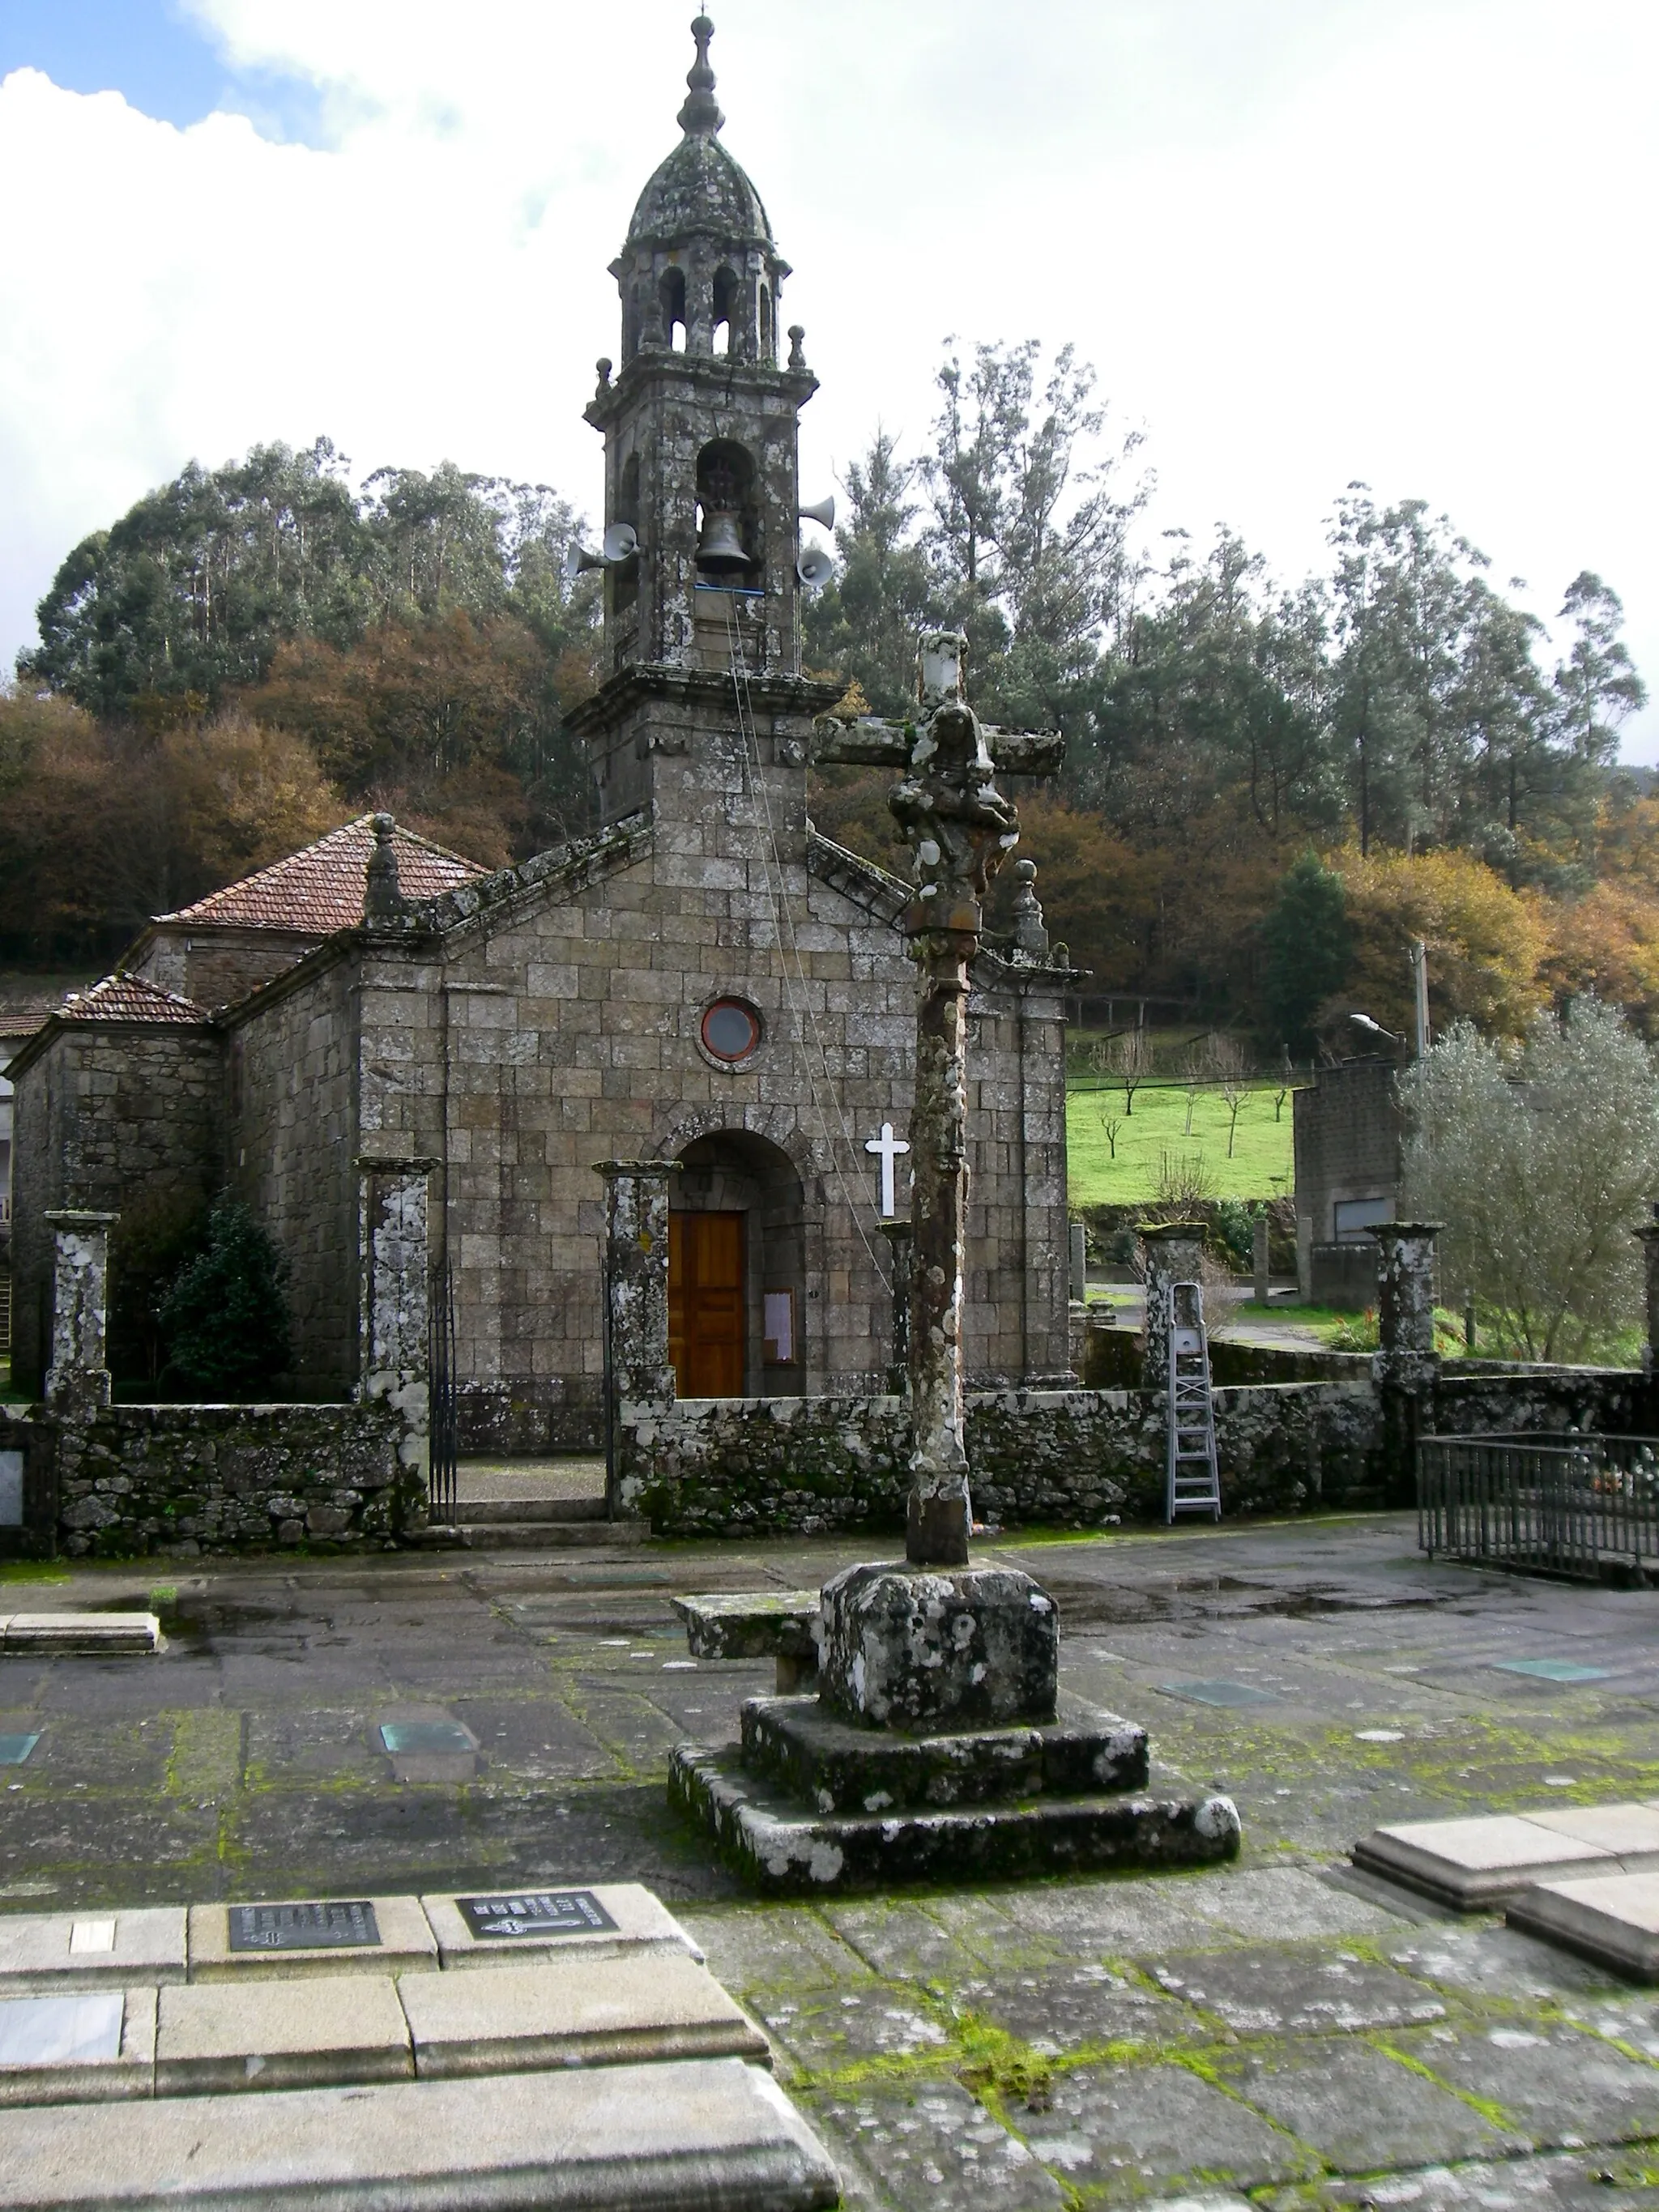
(320, 889)
(128, 999)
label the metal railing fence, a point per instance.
(1563, 1504)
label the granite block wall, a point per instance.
(182, 1480)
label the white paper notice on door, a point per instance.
(778, 1327)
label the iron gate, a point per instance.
(440, 1382)
(1572, 1504)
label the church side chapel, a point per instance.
(706, 982)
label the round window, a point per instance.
(731, 1030)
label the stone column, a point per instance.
(395, 1282)
(77, 1379)
(1648, 1234)
(1406, 1367)
(1259, 1269)
(638, 1377)
(900, 1236)
(1171, 1252)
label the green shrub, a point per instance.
(224, 1316)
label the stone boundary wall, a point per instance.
(182, 1480)
(1079, 1459)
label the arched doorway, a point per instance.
(737, 1270)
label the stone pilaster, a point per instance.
(1406, 1367)
(395, 1258)
(1171, 1252)
(77, 1379)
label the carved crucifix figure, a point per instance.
(960, 829)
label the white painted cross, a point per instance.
(888, 1147)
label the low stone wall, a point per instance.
(1079, 1459)
(182, 1480)
(1476, 1396)
(525, 1418)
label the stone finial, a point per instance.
(602, 369)
(383, 898)
(797, 345)
(1030, 937)
(700, 116)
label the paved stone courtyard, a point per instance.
(1284, 2027)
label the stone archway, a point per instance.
(737, 1269)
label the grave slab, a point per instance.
(1557, 2087)
(94, 2046)
(216, 2039)
(712, 2132)
(1148, 2131)
(45, 1953)
(493, 1927)
(1261, 1990)
(1630, 1831)
(1613, 1919)
(105, 1635)
(1362, 2110)
(560, 2012)
(937, 2145)
(237, 1942)
(1473, 1863)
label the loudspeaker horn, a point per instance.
(622, 541)
(824, 512)
(578, 559)
(815, 566)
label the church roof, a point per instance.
(700, 188)
(320, 889)
(128, 999)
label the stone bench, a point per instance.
(778, 1624)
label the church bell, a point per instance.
(720, 544)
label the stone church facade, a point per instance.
(705, 981)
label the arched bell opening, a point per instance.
(728, 333)
(671, 294)
(737, 1270)
(623, 577)
(729, 550)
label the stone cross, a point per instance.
(960, 829)
(889, 1147)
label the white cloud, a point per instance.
(1303, 240)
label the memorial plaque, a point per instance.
(15, 1749)
(77, 2031)
(542, 1912)
(329, 1927)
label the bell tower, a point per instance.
(701, 429)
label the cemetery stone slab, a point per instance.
(712, 2132)
(94, 2045)
(1230, 1695)
(613, 1920)
(105, 1635)
(1629, 1831)
(1472, 1863)
(917, 1649)
(1265, 1990)
(561, 2012)
(1557, 2086)
(940, 2147)
(757, 1625)
(310, 1936)
(837, 1766)
(215, 2039)
(1362, 2110)
(1611, 1918)
(1145, 2129)
(45, 1952)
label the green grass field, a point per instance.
(1261, 1165)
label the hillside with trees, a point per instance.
(1270, 787)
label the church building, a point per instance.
(705, 979)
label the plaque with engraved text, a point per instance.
(332, 1926)
(538, 1912)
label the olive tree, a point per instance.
(1538, 1160)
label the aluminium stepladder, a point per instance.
(1194, 1483)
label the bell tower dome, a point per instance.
(700, 424)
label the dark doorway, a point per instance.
(707, 1309)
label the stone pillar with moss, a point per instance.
(394, 1322)
(77, 1379)
(1405, 1366)
(1648, 1234)
(1171, 1252)
(639, 1377)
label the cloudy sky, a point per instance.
(1303, 241)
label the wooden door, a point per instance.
(707, 1316)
